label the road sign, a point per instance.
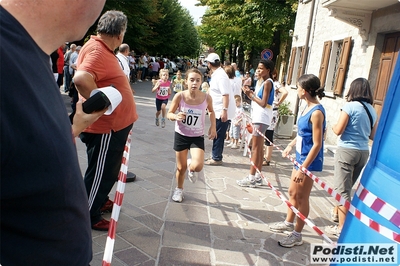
(267, 54)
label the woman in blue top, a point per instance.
(309, 153)
(261, 115)
(354, 127)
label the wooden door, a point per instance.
(390, 52)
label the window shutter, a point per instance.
(341, 71)
(291, 65)
(323, 69)
(301, 61)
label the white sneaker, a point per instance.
(234, 146)
(229, 145)
(178, 195)
(290, 241)
(246, 182)
(281, 227)
(140, 80)
(192, 176)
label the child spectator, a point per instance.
(205, 86)
(163, 89)
(189, 129)
(236, 123)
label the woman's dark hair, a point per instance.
(274, 73)
(360, 91)
(312, 85)
(268, 64)
(230, 71)
(112, 23)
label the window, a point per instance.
(334, 62)
(296, 65)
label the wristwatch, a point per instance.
(225, 108)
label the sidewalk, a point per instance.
(218, 222)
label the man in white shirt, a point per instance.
(132, 66)
(223, 104)
(124, 62)
(122, 56)
(145, 66)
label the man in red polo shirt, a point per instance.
(105, 139)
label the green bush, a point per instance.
(284, 109)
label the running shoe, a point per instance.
(291, 241)
(178, 195)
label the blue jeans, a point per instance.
(218, 143)
(67, 77)
(144, 73)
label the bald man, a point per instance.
(44, 218)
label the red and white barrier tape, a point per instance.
(386, 210)
(394, 236)
(283, 198)
(119, 195)
(368, 198)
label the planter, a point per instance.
(284, 127)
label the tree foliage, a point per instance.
(159, 27)
(251, 24)
(164, 27)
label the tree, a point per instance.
(251, 25)
(159, 27)
(176, 31)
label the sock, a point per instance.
(288, 223)
(251, 177)
(257, 176)
(296, 234)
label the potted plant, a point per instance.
(284, 127)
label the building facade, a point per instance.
(339, 41)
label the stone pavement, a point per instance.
(218, 222)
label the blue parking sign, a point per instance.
(267, 54)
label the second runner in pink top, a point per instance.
(162, 91)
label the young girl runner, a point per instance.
(261, 113)
(177, 82)
(163, 89)
(309, 153)
(191, 105)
